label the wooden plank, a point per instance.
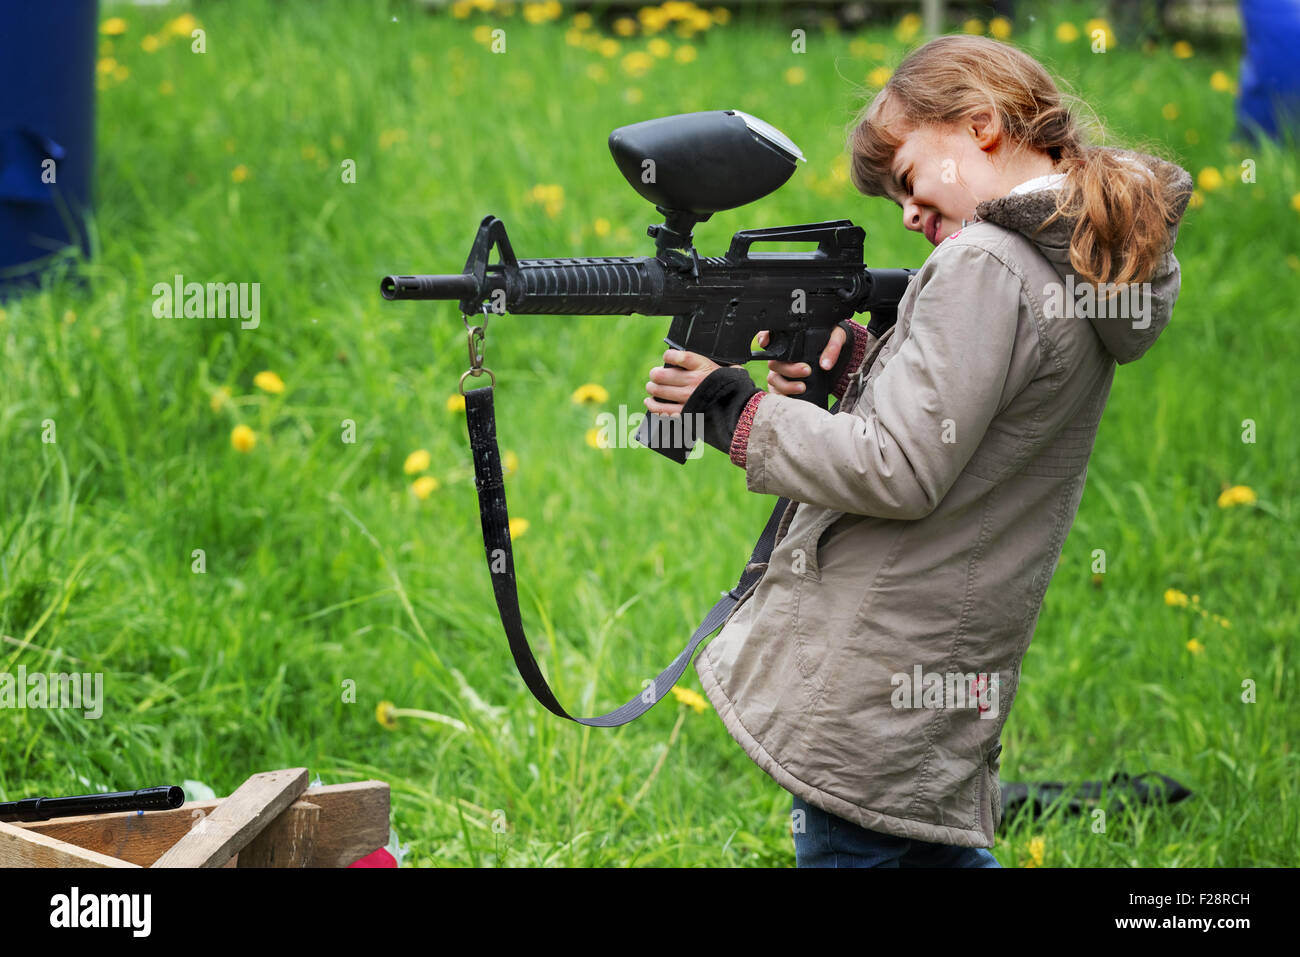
(353, 822)
(21, 848)
(240, 818)
(288, 841)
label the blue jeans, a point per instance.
(830, 841)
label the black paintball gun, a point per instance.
(165, 798)
(689, 166)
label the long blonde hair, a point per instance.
(1122, 210)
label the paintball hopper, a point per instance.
(696, 164)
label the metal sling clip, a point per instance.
(476, 341)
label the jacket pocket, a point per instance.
(805, 551)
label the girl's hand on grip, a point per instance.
(784, 378)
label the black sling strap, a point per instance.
(481, 420)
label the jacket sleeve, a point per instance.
(934, 400)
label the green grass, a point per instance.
(323, 569)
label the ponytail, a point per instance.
(1122, 214)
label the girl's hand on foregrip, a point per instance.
(784, 378)
(672, 383)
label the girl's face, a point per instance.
(942, 173)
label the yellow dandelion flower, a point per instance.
(106, 65)
(659, 47)
(1221, 621)
(1037, 849)
(456, 403)
(1093, 27)
(1295, 202)
(1067, 33)
(573, 37)
(269, 382)
(461, 9)
(1195, 647)
(482, 33)
(973, 26)
(879, 76)
(595, 439)
(1196, 200)
(242, 438)
(535, 12)
(166, 88)
(608, 48)
(625, 26)
(517, 527)
(908, 27)
(1182, 49)
(121, 73)
(183, 26)
(692, 699)
(1209, 179)
(795, 75)
(384, 714)
(591, 392)
(1237, 495)
(701, 21)
(220, 398)
(1175, 598)
(1292, 260)
(1222, 82)
(858, 46)
(239, 173)
(417, 461)
(720, 14)
(424, 486)
(1000, 28)
(637, 63)
(509, 463)
(652, 19)
(1169, 111)
(113, 27)
(150, 43)
(601, 226)
(582, 21)
(685, 53)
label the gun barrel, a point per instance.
(164, 798)
(457, 286)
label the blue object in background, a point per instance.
(1270, 69)
(47, 132)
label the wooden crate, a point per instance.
(272, 820)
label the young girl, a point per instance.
(871, 669)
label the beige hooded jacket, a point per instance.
(871, 669)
